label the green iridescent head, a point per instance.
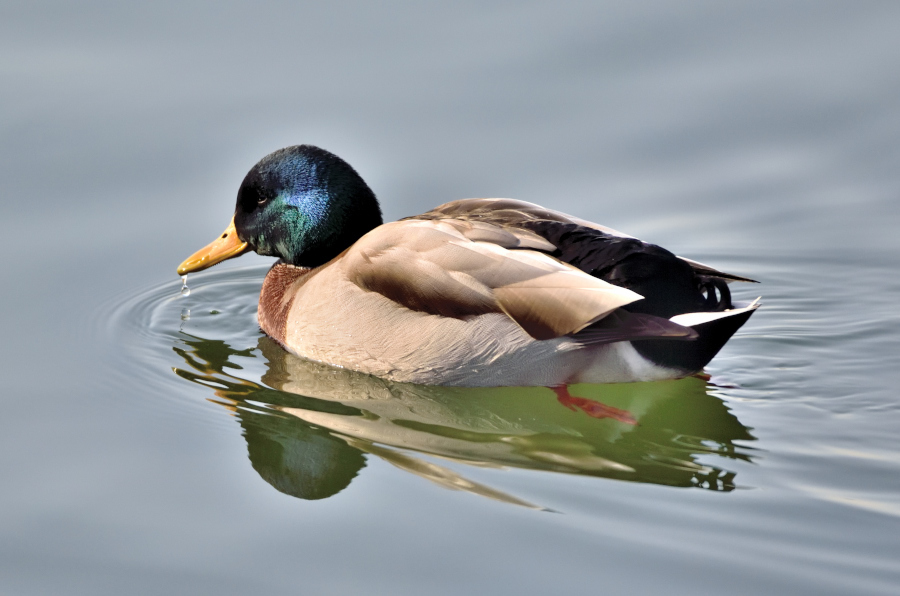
(305, 205)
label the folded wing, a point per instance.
(459, 269)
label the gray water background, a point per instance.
(760, 137)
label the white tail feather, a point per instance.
(689, 319)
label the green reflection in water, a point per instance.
(308, 426)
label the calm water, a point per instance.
(158, 443)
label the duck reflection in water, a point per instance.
(309, 426)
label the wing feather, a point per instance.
(443, 268)
(622, 325)
(560, 303)
(704, 269)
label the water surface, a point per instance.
(159, 443)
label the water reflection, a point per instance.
(309, 426)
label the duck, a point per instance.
(476, 292)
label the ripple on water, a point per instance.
(822, 334)
(147, 326)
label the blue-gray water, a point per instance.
(760, 137)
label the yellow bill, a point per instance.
(226, 246)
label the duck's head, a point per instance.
(302, 204)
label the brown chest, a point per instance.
(277, 294)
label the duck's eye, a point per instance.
(261, 200)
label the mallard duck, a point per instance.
(475, 292)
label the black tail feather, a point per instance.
(692, 356)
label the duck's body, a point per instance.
(480, 292)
